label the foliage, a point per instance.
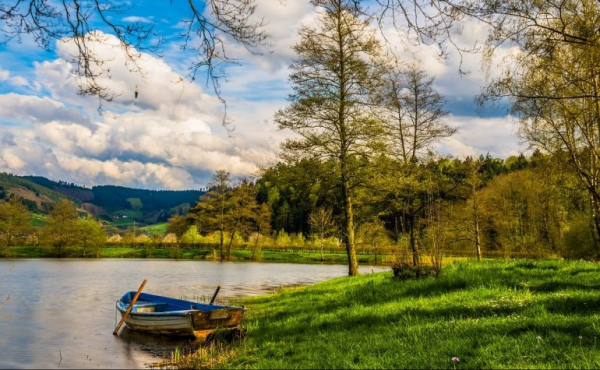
(191, 236)
(90, 234)
(118, 197)
(14, 223)
(553, 84)
(177, 225)
(405, 271)
(61, 228)
(135, 203)
(414, 113)
(579, 239)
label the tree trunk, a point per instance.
(255, 245)
(230, 243)
(349, 232)
(8, 241)
(221, 254)
(322, 246)
(413, 238)
(477, 242)
(596, 220)
(476, 227)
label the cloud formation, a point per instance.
(171, 136)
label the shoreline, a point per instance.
(239, 255)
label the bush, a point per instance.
(404, 271)
(579, 240)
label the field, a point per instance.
(156, 229)
(494, 314)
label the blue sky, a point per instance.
(172, 137)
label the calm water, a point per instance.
(61, 313)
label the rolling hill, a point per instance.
(118, 205)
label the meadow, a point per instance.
(491, 314)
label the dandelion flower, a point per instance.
(580, 337)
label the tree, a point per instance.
(293, 188)
(262, 226)
(135, 203)
(177, 225)
(555, 89)
(212, 212)
(414, 113)
(191, 236)
(244, 211)
(333, 77)
(321, 222)
(61, 226)
(436, 235)
(471, 215)
(208, 25)
(14, 222)
(91, 234)
(414, 120)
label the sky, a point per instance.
(171, 136)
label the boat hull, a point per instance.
(167, 316)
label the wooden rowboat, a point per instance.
(168, 316)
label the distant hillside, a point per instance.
(124, 205)
(37, 197)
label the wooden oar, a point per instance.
(215, 295)
(135, 297)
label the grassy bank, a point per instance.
(194, 254)
(488, 315)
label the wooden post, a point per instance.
(212, 300)
(137, 294)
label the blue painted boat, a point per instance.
(168, 316)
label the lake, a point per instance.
(60, 313)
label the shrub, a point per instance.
(579, 240)
(404, 271)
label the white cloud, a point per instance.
(15, 80)
(477, 136)
(171, 135)
(32, 109)
(136, 19)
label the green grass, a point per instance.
(38, 220)
(129, 213)
(521, 314)
(156, 229)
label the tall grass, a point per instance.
(520, 314)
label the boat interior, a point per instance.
(153, 303)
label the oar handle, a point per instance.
(212, 300)
(135, 297)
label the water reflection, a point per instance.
(61, 313)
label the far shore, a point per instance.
(290, 255)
